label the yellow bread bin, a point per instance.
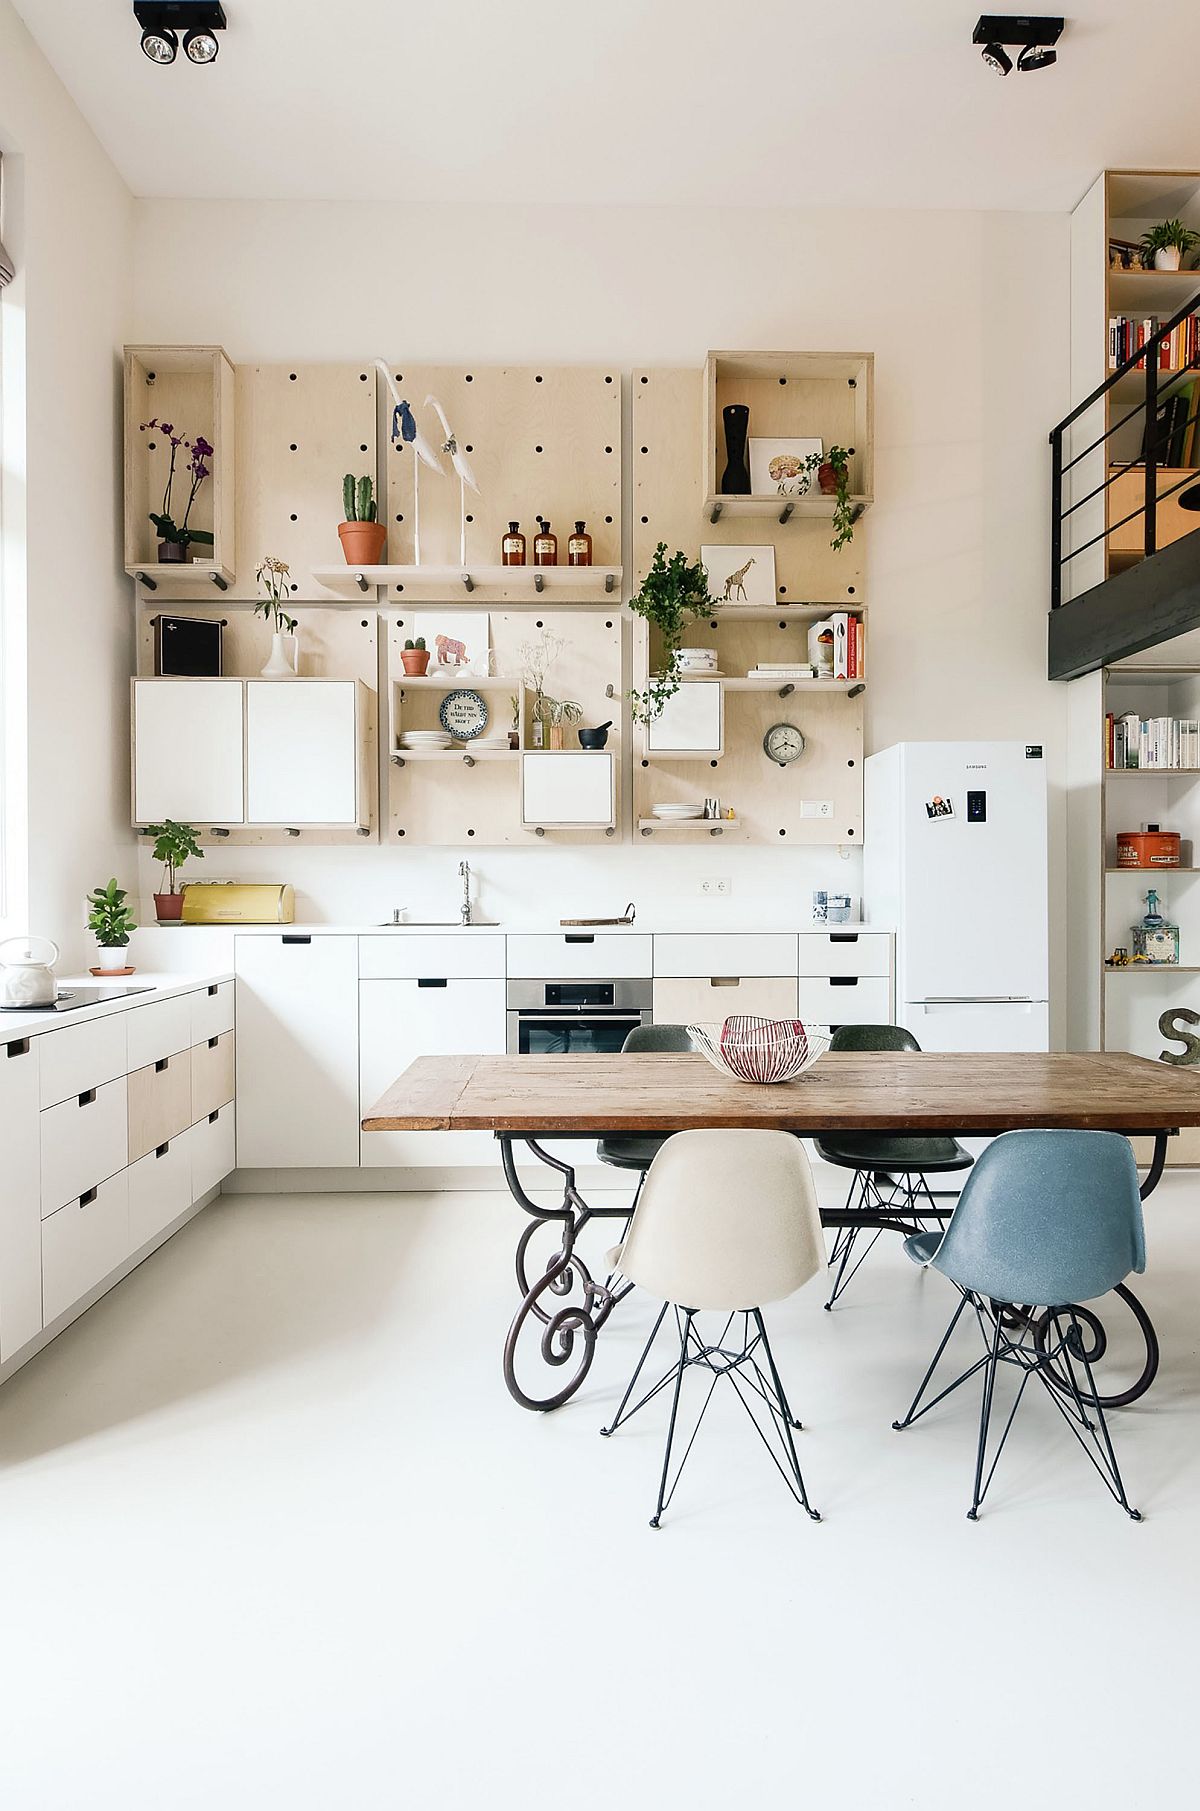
(206, 902)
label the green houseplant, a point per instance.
(111, 921)
(554, 713)
(361, 533)
(833, 477)
(174, 538)
(672, 595)
(173, 845)
(414, 658)
(1168, 242)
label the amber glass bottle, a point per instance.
(579, 547)
(545, 545)
(512, 547)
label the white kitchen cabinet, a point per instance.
(85, 1140)
(847, 952)
(82, 1243)
(725, 953)
(211, 1148)
(407, 956)
(691, 722)
(187, 750)
(568, 791)
(297, 1051)
(160, 1189)
(845, 1000)
(304, 752)
(433, 1015)
(580, 955)
(703, 1001)
(20, 1203)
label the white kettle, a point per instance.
(26, 974)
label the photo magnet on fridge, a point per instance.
(937, 806)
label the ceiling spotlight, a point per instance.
(164, 21)
(997, 58)
(1034, 56)
(1033, 37)
(160, 46)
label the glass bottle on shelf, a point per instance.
(512, 546)
(579, 547)
(545, 545)
(1155, 939)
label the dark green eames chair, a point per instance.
(890, 1168)
(629, 1151)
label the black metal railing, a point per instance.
(1148, 461)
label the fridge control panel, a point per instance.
(977, 807)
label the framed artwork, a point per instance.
(458, 640)
(740, 575)
(779, 467)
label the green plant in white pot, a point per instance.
(111, 922)
(1169, 243)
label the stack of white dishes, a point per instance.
(673, 813)
(425, 740)
(698, 662)
(488, 745)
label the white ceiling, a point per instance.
(853, 103)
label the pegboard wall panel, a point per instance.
(541, 440)
(669, 491)
(300, 428)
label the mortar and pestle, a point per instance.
(594, 738)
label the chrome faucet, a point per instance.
(464, 868)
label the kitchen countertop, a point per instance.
(17, 1025)
(641, 927)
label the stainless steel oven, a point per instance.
(577, 1017)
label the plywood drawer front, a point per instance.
(211, 1146)
(160, 1189)
(160, 1103)
(82, 1243)
(587, 955)
(212, 1076)
(82, 1057)
(845, 1000)
(453, 958)
(161, 1029)
(84, 1142)
(725, 953)
(845, 953)
(691, 1002)
(212, 1012)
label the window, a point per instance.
(13, 706)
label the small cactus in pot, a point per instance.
(362, 534)
(414, 657)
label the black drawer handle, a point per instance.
(161, 1064)
(87, 1199)
(843, 936)
(213, 1117)
(212, 992)
(213, 1042)
(295, 940)
(162, 1150)
(843, 980)
(428, 981)
(20, 1048)
(585, 937)
(85, 1100)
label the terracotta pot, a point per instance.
(111, 974)
(362, 542)
(415, 661)
(168, 906)
(827, 479)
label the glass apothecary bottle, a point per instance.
(545, 545)
(512, 546)
(1155, 939)
(579, 546)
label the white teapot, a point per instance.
(26, 975)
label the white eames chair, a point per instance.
(726, 1222)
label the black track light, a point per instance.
(1037, 56)
(160, 46)
(163, 21)
(997, 58)
(1032, 36)
(202, 47)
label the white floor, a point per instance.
(274, 1535)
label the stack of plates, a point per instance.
(488, 745)
(425, 739)
(672, 813)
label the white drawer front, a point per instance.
(212, 1012)
(160, 1189)
(85, 1140)
(846, 952)
(845, 1000)
(159, 1030)
(82, 1243)
(707, 1001)
(586, 954)
(454, 958)
(725, 953)
(82, 1056)
(211, 1147)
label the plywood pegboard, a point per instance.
(540, 439)
(445, 801)
(669, 470)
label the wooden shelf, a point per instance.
(468, 682)
(695, 826)
(1163, 291)
(1153, 968)
(746, 684)
(402, 756)
(1163, 871)
(784, 611)
(1145, 773)
(180, 576)
(193, 387)
(799, 509)
(482, 584)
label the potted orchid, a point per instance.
(174, 538)
(274, 576)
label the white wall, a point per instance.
(967, 315)
(69, 605)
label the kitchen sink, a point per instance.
(438, 924)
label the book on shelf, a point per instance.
(1174, 437)
(1129, 334)
(848, 645)
(1161, 743)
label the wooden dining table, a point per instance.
(528, 1100)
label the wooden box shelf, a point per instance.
(822, 395)
(192, 387)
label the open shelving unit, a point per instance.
(193, 387)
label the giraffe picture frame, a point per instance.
(740, 575)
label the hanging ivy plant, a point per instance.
(673, 594)
(838, 459)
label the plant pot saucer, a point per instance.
(115, 973)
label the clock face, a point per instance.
(464, 714)
(783, 743)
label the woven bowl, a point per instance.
(759, 1050)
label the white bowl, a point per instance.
(761, 1051)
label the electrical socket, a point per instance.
(718, 887)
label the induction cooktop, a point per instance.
(73, 997)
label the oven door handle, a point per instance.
(570, 1014)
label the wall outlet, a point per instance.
(816, 808)
(719, 887)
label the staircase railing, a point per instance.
(1150, 460)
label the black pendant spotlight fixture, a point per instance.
(163, 21)
(1032, 38)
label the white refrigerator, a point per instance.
(955, 859)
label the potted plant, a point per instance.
(362, 535)
(833, 478)
(414, 657)
(175, 539)
(553, 713)
(274, 576)
(1167, 243)
(672, 595)
(111, 921)
(173, 845)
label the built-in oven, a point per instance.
(588, 1018)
